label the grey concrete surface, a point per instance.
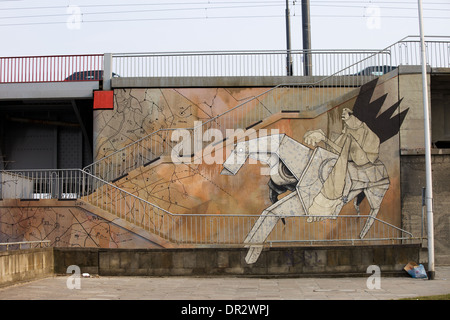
(48, 90)
(226, 288)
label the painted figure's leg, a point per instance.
(375, 196)
(288, 206)
(357, 201)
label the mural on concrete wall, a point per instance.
(140, 112)
(64, 226)
(304, 179)
(322, 180)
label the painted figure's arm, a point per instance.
(315, 136)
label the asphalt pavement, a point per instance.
(228, 288)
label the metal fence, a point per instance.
(294, 230)
(192, 229)
(299, 97)
(6, 246)
(284, 97)
(59, 68)
(51, 68)
(279, 63)
(92, 185)
(234, 63)
(408, 51)
(44, 184)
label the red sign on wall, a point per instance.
(103, 100)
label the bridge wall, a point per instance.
(274, 262)
(25, 265)
(65, 224)
(49, 90)
(200, 187)
(413, 179)
(412, 168)
(140, 111)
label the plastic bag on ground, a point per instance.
(416, 270)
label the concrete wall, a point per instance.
(287, 261)
(440, 109)
(412, 181)
(410, 88)
(51, 90)
(66, 224)
(413, 159)
(25, 265)
(151, 108)
(200, 188)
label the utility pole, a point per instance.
(429, 182)
(288, 41)
(307, 65)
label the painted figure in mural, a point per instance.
(322, 180)
(357, 143)
(303, 170)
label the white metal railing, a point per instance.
(191, 229)
(213, 64)
(25, 245)
(275, 63)
(76, 184)
(299, 97)
(284, 97)
(234, 63)
(342, 229)
(408, 52)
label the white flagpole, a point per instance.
(429, 186)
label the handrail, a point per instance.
(101, 193)
(54, 68)
(189, 229)
(76, 183)
(148, 149)
(232, 63)
(399, 53)
(20, 243)
(242, 63)
(227, 52)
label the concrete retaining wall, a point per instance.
(413, 179)
(291, 261)
(25, 265)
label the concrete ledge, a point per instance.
(410, 69)
(48, 90)
(417, 69)
(273, 262)
(204, 82)
(440, 70)
(223, 82)
(421, 151)
(25, 265)
(346, 261)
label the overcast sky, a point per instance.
(36, 27)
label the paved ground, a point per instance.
(227, 288)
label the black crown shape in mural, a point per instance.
(383, 125)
